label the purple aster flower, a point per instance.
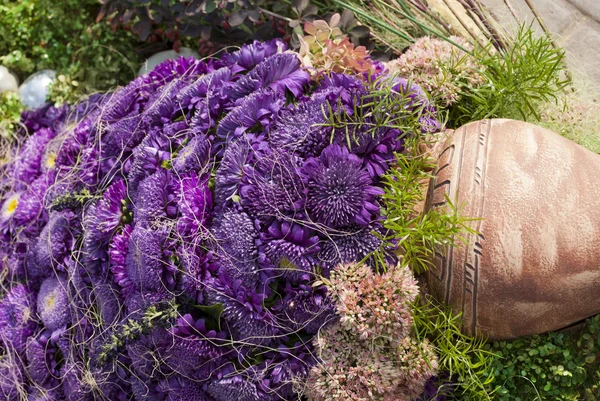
(284, 368)
(258, 108)
(195, 204)
(12, 378)
(236, 245)
(235, 388)
(30, 214)
(206, 95)
(279, 72)
(177, 388)
(53, 303)
(148, 259)
(156, 198)
(348, 245)
(253, 54)
(163, 107)
(27, 164)
(122, 103)
(107, 300)
(194, 156)
(44, 358)
(377, 149)
(101, 221)
(418, 101)
(244, 314)
(149, 156)
(290, 248)
(196, 351)
(238, 154)
(73, 141)
(300, 128)
(181, 68)
(54, 245)
(340, 190)
(120, 137)
(46, 116)
(198, 268)
(119, 247)
(17, 313)
(304, 307)
(272, 187)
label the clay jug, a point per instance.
(534, 265)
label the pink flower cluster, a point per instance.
(441, 68)
(370, 354)
(325, 49)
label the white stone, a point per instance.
(8, 82)
(35, 88)
(159, 57)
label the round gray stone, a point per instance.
(159, 57)
(8, 82)
(35, 88)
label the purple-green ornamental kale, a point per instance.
(166, 241)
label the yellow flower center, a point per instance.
(12, 205)
(51, 161)
(50, 301)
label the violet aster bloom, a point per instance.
(238, 154)
(283, 368)
(107, 301)
(418, 101)
(177, 388)
(46, 116)
(206, 93)
(291, 248)
(349, 244)
(301, 128)
(17, 313)
(236, 245)
(251, 55)
(243, 311)
(235, 388)
(101, 220)
(258, 108)
(195, 204)
(12, 378)
(198, 269)
(340, 190)
(196, 352)
(119, 248)
(30, 214)
(377, 150)
(194, 156)
(156, 198)
(279, 72)
(304, 307)
(272, 187)
(53, 303)
(147, 261)
(27, 164)
(55, 243)
(43, 356)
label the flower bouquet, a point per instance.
(214, 231)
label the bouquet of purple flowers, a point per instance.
(168, 241)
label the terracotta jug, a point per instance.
(534, 265)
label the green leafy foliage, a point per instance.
(466, 359)
(63, 35)
(418, 234)
(10, 113)
(516, 80)
(554, 366)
